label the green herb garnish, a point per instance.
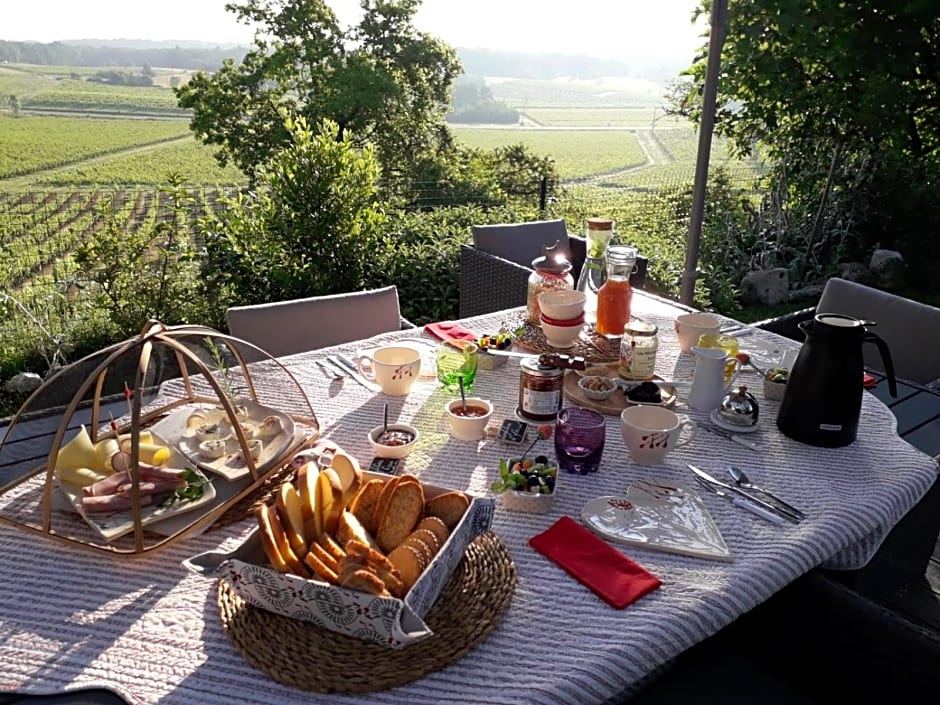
(194, 488)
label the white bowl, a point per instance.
(384, 451)
(595, 394)
(561, 336)
(562, 304)
(468, 428)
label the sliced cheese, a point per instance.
(77, 453)
(104, 452)
(80, 477)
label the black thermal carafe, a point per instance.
(822, 402)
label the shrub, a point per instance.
(313, 227)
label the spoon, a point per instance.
(741, 480)
(746, 360)
(385, 421)
(463, 396)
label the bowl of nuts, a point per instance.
(596, 387)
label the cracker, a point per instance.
(364, 581)
(319, 567)
(401, 514)
(333, 548)
(425, 551)
(408, 563)
(429, 537)
(364, 503)
(448, 507)
(436, 526)
(324, 556)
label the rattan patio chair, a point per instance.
(491, 283)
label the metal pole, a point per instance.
(719, 24)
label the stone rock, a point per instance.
(887, 268)
(766, 286)
(23, 383)
(855, 272)
(811, 292)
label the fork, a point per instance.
(741, 502)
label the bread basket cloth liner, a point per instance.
(387, 621)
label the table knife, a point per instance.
(351, 370)
(738, 491)
(765, 514)
(741, 440)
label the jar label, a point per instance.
(637, 363)
(541, 403)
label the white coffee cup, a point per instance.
(393, 368)
(690, 326)
(649, 432)
(470, 427)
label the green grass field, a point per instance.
(567, 93)
(29, 143)
(95, 97)
(577, 153)
(192, 160)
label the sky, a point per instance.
(609, 29)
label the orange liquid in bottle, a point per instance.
(613, 306)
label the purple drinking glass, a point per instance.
(579, 440)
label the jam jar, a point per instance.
(541, 390)
(551, 271)
(638, 350)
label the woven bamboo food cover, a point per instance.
(108, 417)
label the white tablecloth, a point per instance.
(149, 629)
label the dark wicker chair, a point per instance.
(882, 603)
(489, 283)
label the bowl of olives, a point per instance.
(775, 383)
(527, 485)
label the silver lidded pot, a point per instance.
(739, 408)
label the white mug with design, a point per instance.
(650, 432)
(394, 368)
(691, 326)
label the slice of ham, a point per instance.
(148, 473)
(148, 487)
(107, 486)
(111, 503)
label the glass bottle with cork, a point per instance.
(551, 271)
(597, 235)
(616, 295)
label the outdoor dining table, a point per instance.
(150, 630)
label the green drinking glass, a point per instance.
(457, 360)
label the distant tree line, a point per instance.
(472, 102)
(61, 54)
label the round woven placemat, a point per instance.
(590, 346)
(303, 656)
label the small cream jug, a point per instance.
(708, 380)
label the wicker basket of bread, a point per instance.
(338, 539)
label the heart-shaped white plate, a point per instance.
(662, 516)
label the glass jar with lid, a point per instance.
(552, 271)
(541, 390)
(615, 297)
(638, 350)
(598, 233)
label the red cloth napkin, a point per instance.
(610, 574)
(444, 330)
